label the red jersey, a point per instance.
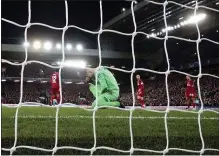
(140, 84)
(55, 80)
(190, 88)
(190, 85)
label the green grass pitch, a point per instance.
(36, 127)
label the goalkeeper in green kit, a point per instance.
(107, 87)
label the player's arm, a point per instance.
(141, 87)
(57, 79)
(102, 81)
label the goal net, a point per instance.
(132, 148)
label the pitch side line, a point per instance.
(114, 117)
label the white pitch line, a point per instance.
(113, 117)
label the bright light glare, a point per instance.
(79, 47)
(58, 46)
(74, 63)
(69, 46)
(182, 23)
(29, 81)
(123, 9)
(47, 45)
(68, 82)
(26, 44)
(197, 18)
(37, 44)
(3, 80)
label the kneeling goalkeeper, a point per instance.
(107, 87)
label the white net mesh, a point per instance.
(133, 34)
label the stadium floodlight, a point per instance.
(26, 44)
(175, 27)
(48, 45)
(217, 3)
(180, 18)
(152, 29)
(16, 80)
(153, 35)
(178, 26)
(123, 9)
(29, 81)
(182, 23)
(148, 36)
(43, 81)
(68, 46)
(169, 28)
(79, 47)
(216, 30)
(123, 67)
(58, 46)
(37, 44)
(3, 80)
(163, 30)
(196, 18)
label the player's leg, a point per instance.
(58, 96)
(141, 100)
(107, 99)
(193, 102)
(187, 95)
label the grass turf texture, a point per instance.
(75, 128)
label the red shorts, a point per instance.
(55, 91)
(141, 94)
(190, 94)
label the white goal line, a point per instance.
(113, 117)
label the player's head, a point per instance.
(90, 72)
(138, 77)
(188, 78)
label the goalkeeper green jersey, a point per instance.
(106, 82)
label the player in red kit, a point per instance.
(140, 91)
(190, 93)
(55, 94)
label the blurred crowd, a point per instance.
(155, 92)
(155, 89)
